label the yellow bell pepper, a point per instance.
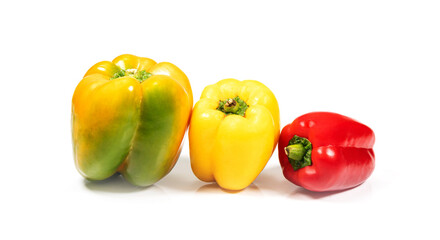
(233, 131)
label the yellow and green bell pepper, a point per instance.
(129, 116)
(234, 129)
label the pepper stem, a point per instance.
(299, 152)
(295, 151)
(233, 106)
(139, 75)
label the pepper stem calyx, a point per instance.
(233, 106)
(139, 75)
(299, 152)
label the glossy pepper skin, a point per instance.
(130, 116)
(342, 154)
(227, 147)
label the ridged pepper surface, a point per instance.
(324, 151)
(233, 132)
(129, 116)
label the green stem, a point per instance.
(139, 75)
(233, 106)
(295, 151)
(299, 152)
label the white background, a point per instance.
(375, 61)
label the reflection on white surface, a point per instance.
(359, 193)
(214, 188)
(117, 184)
(181, 180)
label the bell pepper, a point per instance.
(323, 151)
(129, 116)
(233, 132)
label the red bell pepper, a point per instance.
(323, 151)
